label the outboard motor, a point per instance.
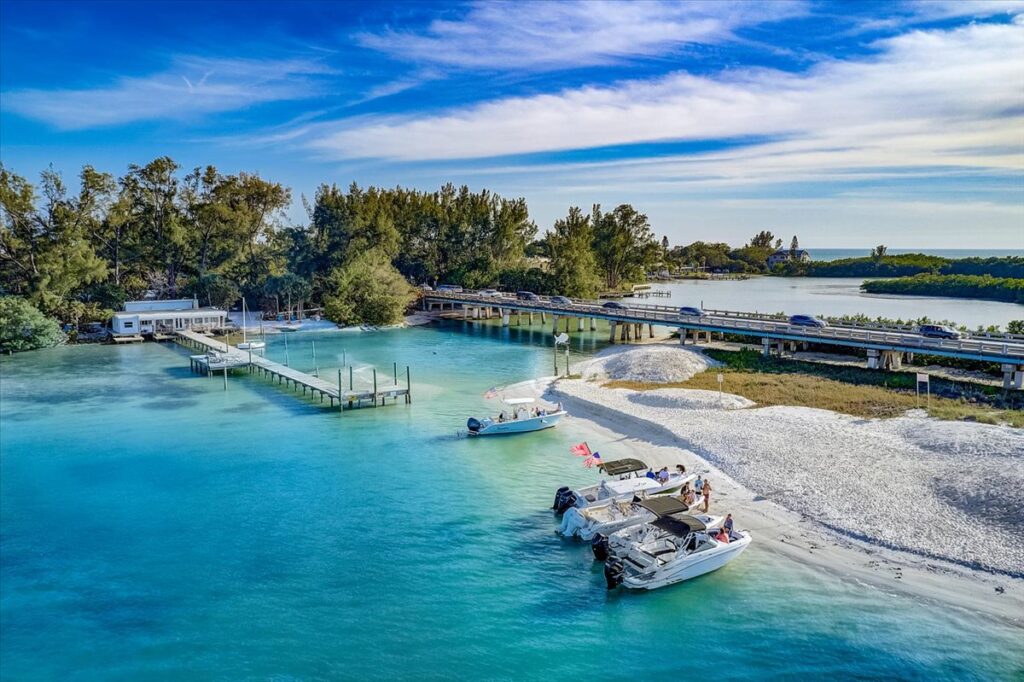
(613, 573)
(473, 424)
(558, 495)
(599, 545)
(567, 500)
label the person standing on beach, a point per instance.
(698, 485)
(707, 495)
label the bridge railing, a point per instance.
(756, 325)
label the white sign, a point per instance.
(720, 378)
(922, 378)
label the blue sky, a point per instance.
(849, 124)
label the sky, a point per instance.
(848, 124)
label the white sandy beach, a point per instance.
(923, 506)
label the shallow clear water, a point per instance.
(831, 296)
(153, 525)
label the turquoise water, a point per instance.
(153, 525)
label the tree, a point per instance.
(24, 327)
(623, 244)
(45, 252)
(762, 240)
(573, 265)
(367, 290)
(794, 246)
(289, 287)
(152, 194)
(878, 253)
(213, 290)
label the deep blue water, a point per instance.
(155, 526)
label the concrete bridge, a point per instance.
(885, 345)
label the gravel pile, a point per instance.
(657, 364)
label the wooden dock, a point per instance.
(224, 357)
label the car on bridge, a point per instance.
(614, 305)
(527, 296)
(938, 331)
(691, 311)
(560, 300)
(453, 288)
(807, 321)
(489, 292)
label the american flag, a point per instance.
(581, 450)
(592, 460)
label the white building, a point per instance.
(165, 317)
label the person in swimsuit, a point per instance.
(707, 495)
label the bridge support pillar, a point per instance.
(579, 324)
(593, 324)
(519, 318)
(909, 357)
(476, 313)
(682, 336)
(624, 332)
(504, 317)
(892, 359)
(1013, 377)
(531, 318)
(465, 312)
(543, 318)
(766, 347)
(554, 324)
(873, 356)
(650, 331)
(611, 337)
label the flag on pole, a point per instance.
(592, 460)
(581, 450)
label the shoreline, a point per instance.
(793, 535)
(784, 531)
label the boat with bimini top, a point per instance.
(672, 548)
(624, 482)
(521, 419)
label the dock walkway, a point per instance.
(230, 357)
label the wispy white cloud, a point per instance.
(927, 100)
(551, 35)
(193, 86)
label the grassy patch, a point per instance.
(850, 390)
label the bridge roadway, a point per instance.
(1005, 349)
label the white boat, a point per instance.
(246, 344)
(614, 514)
(289, 327)
(520, 420)
(669, 550)
(624, 483)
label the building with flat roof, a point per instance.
(166, 317)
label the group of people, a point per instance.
(701, 488)
(663, 475)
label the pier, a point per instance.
(219, 357)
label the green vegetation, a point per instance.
(24, 327)
(163, 232)
(850, 390)
(878, 264)
(959, 286)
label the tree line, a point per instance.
(163, 231)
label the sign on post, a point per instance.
(720, 378)
(923, 379)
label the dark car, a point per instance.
(938, 331)
(691, 311)
(527, 296)
(807, 321)
(561, 300)
(614, 305)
